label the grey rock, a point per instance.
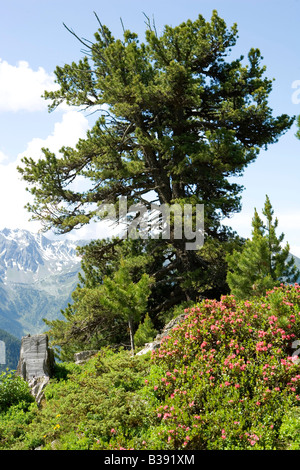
(82, 356)
(37, 385)
(36, 358)
(155, 344)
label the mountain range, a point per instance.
(37, 277)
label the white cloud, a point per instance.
(21, 87)
(3, 157)
(13, 195)
(288, 224)
(72, 127)
(295, 250)
(241, 223)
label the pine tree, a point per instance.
(178, 118)
(122, 296)
(145, 332)
(105, 305)
(262, 263)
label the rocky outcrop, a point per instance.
(82, 356)
(37, 385)
(36, 363)
(155, 344)
(36, 358)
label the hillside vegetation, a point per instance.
(227, 377)
(181, 118)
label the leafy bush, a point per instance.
(17, 409)
(14, 424)
(13, 390)
(145, 332)
(226, 377)
(290, 430)
(86, 402)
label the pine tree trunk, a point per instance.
(130, 324)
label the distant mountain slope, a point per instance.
(12, 351)
(37, 277)
(297, 261)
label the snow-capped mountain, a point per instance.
(37, 277)
(26, 257)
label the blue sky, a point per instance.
(33, 41)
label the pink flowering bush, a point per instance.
(227, 375)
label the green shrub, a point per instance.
(14, 424)
(225, 378)
(90, 401)
(145, 332)
(289, 436)
(13, 390)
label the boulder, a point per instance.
(37, 385)
(36, 358)
(82, 356)
(155, 344)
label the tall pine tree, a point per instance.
(178, 118)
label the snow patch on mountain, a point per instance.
(37, 278)
(34, 254)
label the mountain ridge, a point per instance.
(37, 278)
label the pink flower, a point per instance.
(112, 430)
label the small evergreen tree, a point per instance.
(123, 296)
(145, 332)
(102, 307)
(262, 263)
